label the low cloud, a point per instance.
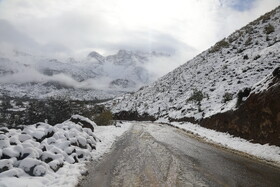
(70, 26)
(26, 70)
(30, 75)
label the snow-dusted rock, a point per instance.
(41, 148)
(5, 164)
(33, 167)
(4, 141)
(10, 152)
(39, 170)
(13, 172)
(23, 137)
(83, 121)
(55, 156)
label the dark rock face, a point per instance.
(122, 83)
(128, 115)
(82, 122)
(257, 119)
(276, 72)
(242, 93)
(185, 119)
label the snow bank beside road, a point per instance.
(267, 152)
(45, 155)
(108, 135)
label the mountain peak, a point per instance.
(96, 56)
(123, 51)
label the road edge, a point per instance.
(218, 145)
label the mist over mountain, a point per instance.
(24, 74)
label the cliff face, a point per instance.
(257, 118)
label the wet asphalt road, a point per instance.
(158, 155)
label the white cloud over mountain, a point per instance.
(75, 27)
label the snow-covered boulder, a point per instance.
(33, 167)
(38, 149)
(83, 121)
(5, 165)
(55, 156)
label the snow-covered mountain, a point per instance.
(211, 82)
(91, 77)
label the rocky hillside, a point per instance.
(90, 78)
(258, 117)
(217, 80)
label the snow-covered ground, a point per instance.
(108, 135)
(45, 155)
(266, 152)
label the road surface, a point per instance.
(159, 155)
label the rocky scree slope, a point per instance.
(217, 80)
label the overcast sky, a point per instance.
(73, 27)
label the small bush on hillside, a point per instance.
(219, 45)
(227, 97)
(240, 50)
(257, 57)
(6, 104)
(225, 67)
(245, 57)
(249, 29)
(269, 29)
(265, 18)
(104, 118)
(197, 96)
(232, 39)
(248, 41)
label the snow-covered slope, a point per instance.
(209, 83)
(92, 77)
